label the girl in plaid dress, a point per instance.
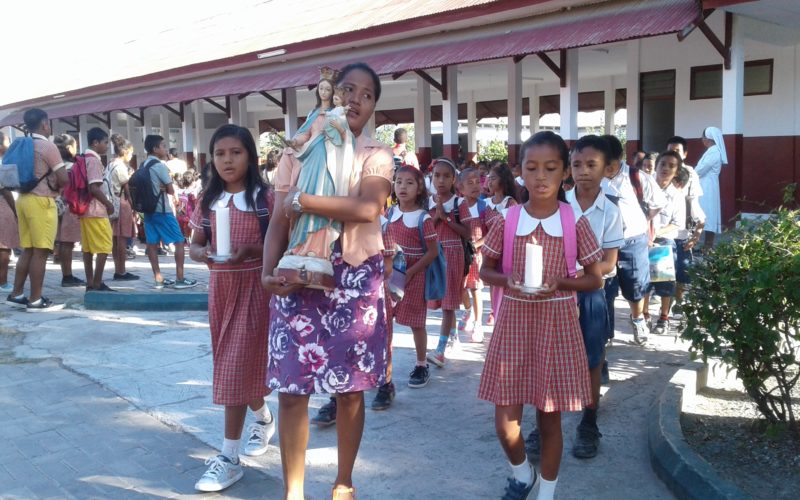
(238, 307)
(450, 233)
(500, 183)
(472, 213)
(402, 229)
(536, 355)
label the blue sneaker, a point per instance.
(518, 491)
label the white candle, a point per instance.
(223, 230)
(533, 265)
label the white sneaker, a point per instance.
(220, 474)
(260, 433)
(640, 331)
(7, 288)
(477, 334)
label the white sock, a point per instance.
(422, 363)
(20, 296)
(230, 448)
(263, 414)
(522, 472)
(546, 488)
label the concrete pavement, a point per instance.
(132, 390)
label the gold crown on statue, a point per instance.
(328, 73)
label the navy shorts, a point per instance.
(665, 288)
(594, 324)
(162, 227)
(633, 268)
(685, 260)
(611, 290)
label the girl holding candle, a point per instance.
(450, 233)
(238, 306)
(403, 229)
(536, 354)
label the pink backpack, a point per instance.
(510, 230)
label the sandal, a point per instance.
(343, 493)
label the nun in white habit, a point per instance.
(708, 169)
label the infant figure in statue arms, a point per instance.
(325, 148)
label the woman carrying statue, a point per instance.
(330, 340)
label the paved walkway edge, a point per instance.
(685, 473)
(154, 301)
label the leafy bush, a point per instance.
(493, 150)
(744, 308)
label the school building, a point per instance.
(675, 66)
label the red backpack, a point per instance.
(76, 194)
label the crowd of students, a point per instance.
(546, 347)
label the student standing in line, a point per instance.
(502, 188)
(122, 226)
(403, 229)
(536, 354)
(472, 213)
(238, 306)
(96, 233)
(69, 225)
(450, 233)
(669, 226)
(37, 216)
(639, 201)
(162, 226)
(589, 158)
(695, 222)
(9, 231)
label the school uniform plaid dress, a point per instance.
(412, 310)
(471, 218)
(454, 256)
(238, 314)
(536, 354)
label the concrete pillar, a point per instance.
(472, 127)
(514, 72)
(187, 135)
(199, 144)
(163, 123)
(569, 99)
(450, 115)
(369, 128)
(290, 117)
(732, 119)
(422, 122)
(148, 121)
(533, 109)
(83, 125)
(135, 138)
(632, 96)
(609, 105)
(238, 111)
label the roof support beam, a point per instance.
(76, 124)
(518, 58)
(441, 87)
(395, 76)
(724, 49)
(178, 112)
(104, 120)
(20, 128)
(139, 117)
(280, 103)
(561, 72)
(225, 109)
(242, 96)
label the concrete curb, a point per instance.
(683, 471)
(151, 301)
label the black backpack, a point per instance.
(143, 197)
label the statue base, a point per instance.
(311, 272)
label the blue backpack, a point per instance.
(20, 154)
(436, 273)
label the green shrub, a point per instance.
(493, 150)
(744, 308)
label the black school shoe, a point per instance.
(326, 415)
(21, 303)
(72, 281)
(383, 399)
(419, 377)
(586, 441)
(125, 277)
(43, 304)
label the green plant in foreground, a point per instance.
(744, 308)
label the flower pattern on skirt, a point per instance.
(331, 341)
